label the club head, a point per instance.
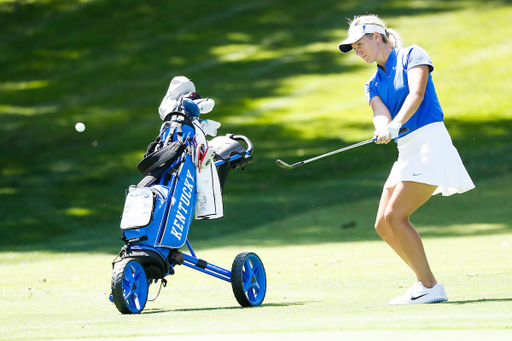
(283, 164)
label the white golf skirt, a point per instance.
(428, 156)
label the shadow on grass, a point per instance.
(262, 306)
(483, 300)
(331, 200)
(64, 191)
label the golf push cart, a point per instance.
(184, 175)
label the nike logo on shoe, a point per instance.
(419, 294)
(416, 174)
(415, 298)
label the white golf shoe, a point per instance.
(418, 294)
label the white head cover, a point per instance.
(357, 32)
(179, 86)
(205, 105)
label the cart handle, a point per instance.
(245, 139)
(250, 149)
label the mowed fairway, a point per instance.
(274, 71)
(325, 286)
(312, 288)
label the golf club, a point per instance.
(283, 164)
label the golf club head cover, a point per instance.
(190, 107)
(179, 85)
(206, 157)
(205, 105)
(210, 127)
(202, 156)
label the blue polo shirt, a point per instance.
(392, 87)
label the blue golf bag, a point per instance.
(184, 175)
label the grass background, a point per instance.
(276, 76)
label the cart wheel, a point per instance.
(248, 279)
(129, 286)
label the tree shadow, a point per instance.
(67, 62)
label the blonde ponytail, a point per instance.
(394, 38)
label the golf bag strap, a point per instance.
(158, 140)
(179, 117)
(175, 123)
(149, 179)
(171, 152)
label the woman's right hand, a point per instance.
(382, 136)
(387, 134)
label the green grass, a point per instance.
(276, 76)
(325, 278)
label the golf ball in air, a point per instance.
(80, 127)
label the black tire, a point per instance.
(129, 286)
(248, 279)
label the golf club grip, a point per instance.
(403, 130)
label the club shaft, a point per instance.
(362, 143)
(283, 164)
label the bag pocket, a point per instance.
(138, 208)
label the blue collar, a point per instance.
(390, 63)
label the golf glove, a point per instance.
(393, 129)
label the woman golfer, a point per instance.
(401, 94)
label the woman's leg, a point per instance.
(382, 227)
(397, 205)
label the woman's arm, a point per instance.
(381, 119)
(417, 79)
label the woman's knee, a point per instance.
(395, 217)
(381, 227)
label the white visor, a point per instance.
(357, 32)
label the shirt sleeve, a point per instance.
(418, 56)
(370, 88)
